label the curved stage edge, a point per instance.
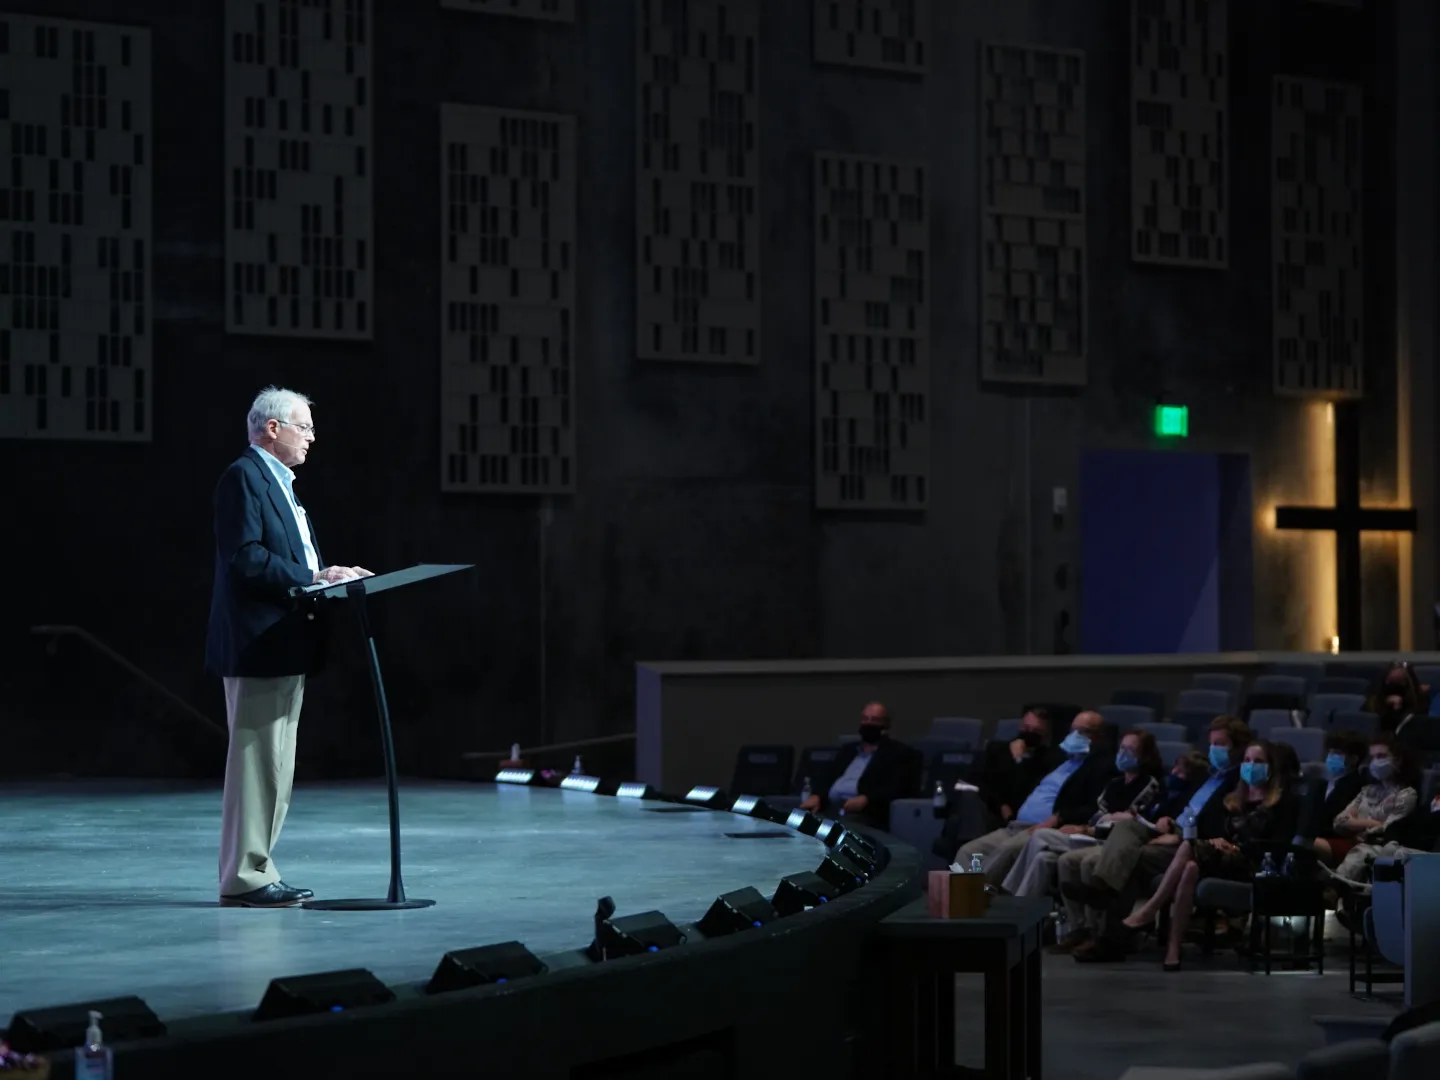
(765, 1001)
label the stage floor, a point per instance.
(110, 889)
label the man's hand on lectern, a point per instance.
(335, 574)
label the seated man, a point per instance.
(869, 775)
(1135, 852)
(1067, 795)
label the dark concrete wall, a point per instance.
(692, 535)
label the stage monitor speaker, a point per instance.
(595, 785)
(636, 789)
(60, 1027)
(710, 797)
(839, 870)
(633, 935)
(330, 991)
(796, 892)
(743, 909)
(464, 968)
(517, 776)
(804, 822)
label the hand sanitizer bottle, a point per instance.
(514, 751)
(94, 1060)
(977, 866)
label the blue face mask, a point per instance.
(1126, 761)
(1076, 743)
(1335, 766)
(1219, 757)
(1254, 772)
(1381, 768)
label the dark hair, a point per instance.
(1149, 755)
(1407, 770)
(1285, 759)
(1274, 783)
(1413, 698)
(1193, 764)
(1348, 743)
(1040, 712)
(1240, 734)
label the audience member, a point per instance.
(1132, 792)
(868, 776)
(1403, 706)
(1009, 771)
(1259, 809)
(1004, 778)
(1389, 797)
(1135, 851)
(1067, 795)
(1187, 774)
(1344, 751)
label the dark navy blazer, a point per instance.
(256, 628)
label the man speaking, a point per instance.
(262, 642)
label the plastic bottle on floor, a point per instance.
(577, 769)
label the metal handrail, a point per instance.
(56, 632)
(577, 744)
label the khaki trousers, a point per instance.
(259, 774)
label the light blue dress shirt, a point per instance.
(1041, 803)
(847, 785)
(1204, 791)
(286, 476)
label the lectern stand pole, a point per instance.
(395, 900)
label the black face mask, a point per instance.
(1174, 784)
(1030, 737)
(871, 734)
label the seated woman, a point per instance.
(1389, 798)
(1344, 751)
(1132, 792)
(1403, 706)
(1260, 809)
(1082, 922)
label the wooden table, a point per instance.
(920, 957)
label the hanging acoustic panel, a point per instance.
(75, 230)
(298, 248)
(872, 330)
(886, 35)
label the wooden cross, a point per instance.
(1347, 519)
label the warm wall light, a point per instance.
(1334, 644)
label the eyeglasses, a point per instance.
(304, 429)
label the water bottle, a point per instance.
(805, 789)
(577, 769)
(1267, 866)
(938, 799)
(976, 865)
(1290, 864)
(514, 751)
(1187, 825)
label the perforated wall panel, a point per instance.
(698, 181)
(1316, 192)
(1032, 228)
(872, 369)
(297, 168)
(75, 240)
(892, 35)
(1179, 91)
(507, 300)
(553, 10)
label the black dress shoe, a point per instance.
(1090, 893)
(277, 894)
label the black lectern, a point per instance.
(356, 590)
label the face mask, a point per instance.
(1335, 766)
(1126, 761)
(1076, 743)
(1174, 784)
(1381, 768)
(1219, 757)
(1030, 737)
(1254, 772)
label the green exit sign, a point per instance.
(1172, 421)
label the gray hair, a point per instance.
(272, 403)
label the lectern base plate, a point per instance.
(366, 905)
